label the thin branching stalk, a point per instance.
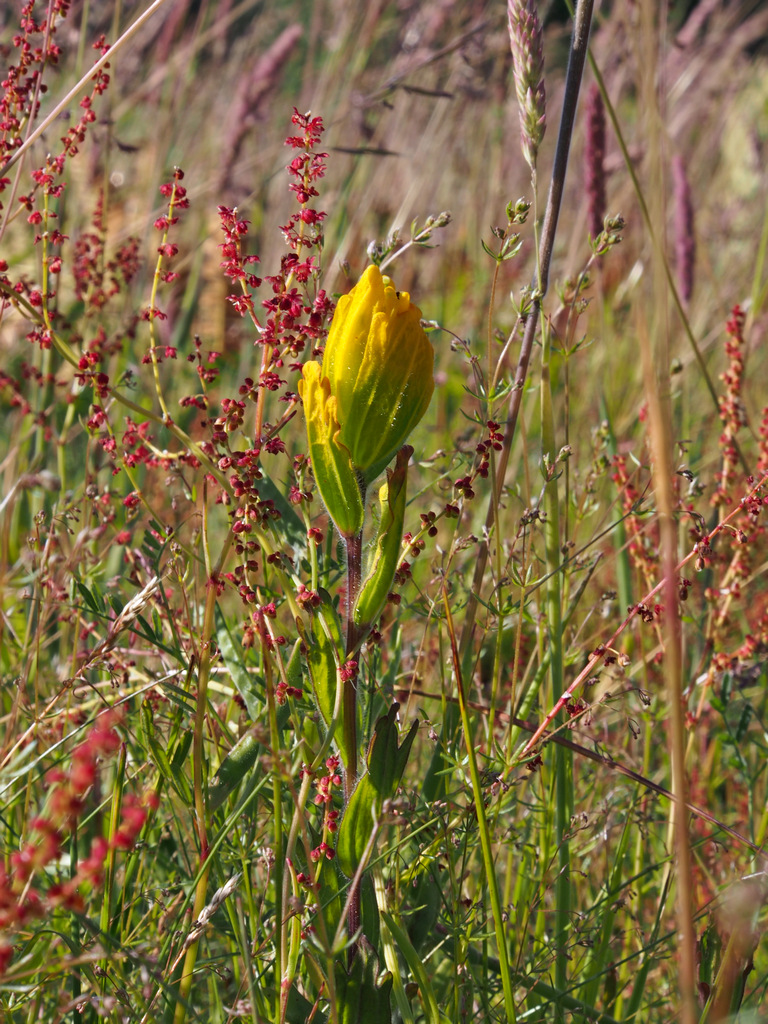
(608, 646)
(109, 874)
(607, 762)
(198, 757)
(84, 81)
(576, 62)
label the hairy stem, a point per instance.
(354, 547)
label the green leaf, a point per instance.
(386, 764)
(362, 995)
(416, 965)
(94, 601)
(356, 826)
(150, 545)
(181, 750)
(322, 675)
(170, 772)
(299, 1008)
(324, 653)
(386, 761)
(153, 634)
(178, 696)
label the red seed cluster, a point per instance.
(289, 323)
(20, 99)
(594, 160)
(99, 277)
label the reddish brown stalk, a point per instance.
(594, 160)
(663, 473)
(685, 242)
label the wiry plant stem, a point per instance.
(576, 62)
(656, 371)
(482, 823)
(609, 645)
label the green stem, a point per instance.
(277, 801)
(563, 757)
(482, 823)
(75, 986)
(109, 873)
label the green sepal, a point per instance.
(386, 553)
(331, 463)
(234, 768)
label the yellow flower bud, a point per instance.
(378, 362)
(374, 386)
